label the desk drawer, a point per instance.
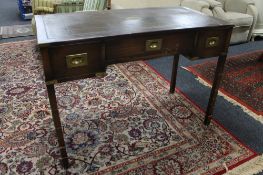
(211, 42)
(76, 60)
(133, 48)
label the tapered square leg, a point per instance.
(174, 73)
(213, 94)
(57, 123)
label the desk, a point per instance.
(81, 45)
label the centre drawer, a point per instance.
(76, 60)
(140, 46)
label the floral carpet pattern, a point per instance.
(242, 80)
(125, 123)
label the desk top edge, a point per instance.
(68, 30)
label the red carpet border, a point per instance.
(242, 82)
(125, 123)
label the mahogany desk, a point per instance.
(81, 45)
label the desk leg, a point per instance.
(57, 123)
(217, 78)
(174, 73)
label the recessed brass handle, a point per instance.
(77, 60)
(153, 45)
(212, 42)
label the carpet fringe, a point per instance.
(251, 167)
(232, 101)
(22, 41)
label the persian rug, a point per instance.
(242, 82)
(124, 123)
(16, 31)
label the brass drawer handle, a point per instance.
(212, 42)
(77, 60)
(153, 45)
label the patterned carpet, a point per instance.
(242, 80)
(125, 123)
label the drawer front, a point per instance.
(133, 48)
(76, 60)
(211, 43)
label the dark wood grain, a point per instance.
(95, 59)
(71, 27)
